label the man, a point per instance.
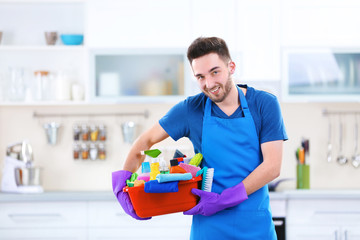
(240, 137)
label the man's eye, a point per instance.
(215, 72)
(200, 77)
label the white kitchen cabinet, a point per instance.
(320, 23)
(43, 220)
(121, 75)
(108, 221)
(49, 234)
(321, 74)
(309, 219)
(138, 24)
(257, 35)
(24, 48)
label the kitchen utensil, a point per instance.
(129, 131)
(52, 132)
(51, 38)
(72, 39)
(355, 160)
(329, 147)
(0, 37)
(341, 159)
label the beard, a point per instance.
(223, 95)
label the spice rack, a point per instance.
(89, 141)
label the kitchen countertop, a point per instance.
(109, 196)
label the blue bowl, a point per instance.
(72, 39)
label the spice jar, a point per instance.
(76, 151)
(93, 151)
(76, 132)
(102, 151)
(102, 132)
(94, 132)
(85, 132)
(84, 151)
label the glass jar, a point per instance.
(102, 132)
(94, 132)
(76, 132)
(76, 151)
(102, 151)
(85, 132)
(93, 151)
(84, 151)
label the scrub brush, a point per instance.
(207, 178)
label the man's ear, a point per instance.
(232, 67)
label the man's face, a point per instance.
(213, 76)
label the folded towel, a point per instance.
(154, 186)
(162, 178)
(190, 168)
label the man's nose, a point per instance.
(209, 83)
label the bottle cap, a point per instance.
(174, 162)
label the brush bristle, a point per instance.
(207, 182)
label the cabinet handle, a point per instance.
(346, 234)
(34, 217)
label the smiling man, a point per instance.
(240, 132)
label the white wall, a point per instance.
(61, 172)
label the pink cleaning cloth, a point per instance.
(144, 176)
(190, 168)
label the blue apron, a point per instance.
(232, 147)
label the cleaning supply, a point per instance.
(196, 160)
(155, 187)
(130, 182)
(175, 168)
(145, 172)
(154, 168)
(190, 168)
(208, 176)
(118, 185)
(138, 182)
(154, 153)
(178, 154)
(172, 177)
(164, 169)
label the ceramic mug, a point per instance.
(51, 38)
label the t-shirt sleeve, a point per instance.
(272, 123)
(175, 121)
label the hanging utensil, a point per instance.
(355, 160)
(329, 148)
(341, 159)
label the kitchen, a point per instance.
(263, 37)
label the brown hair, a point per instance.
(202, 46)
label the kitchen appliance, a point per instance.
(19, 174)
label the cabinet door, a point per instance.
(258, 29)
(107, 220)
(138, 23)
(49, 234)
(320, 23)
(301, 232)
(351, 232)
(43, 215)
